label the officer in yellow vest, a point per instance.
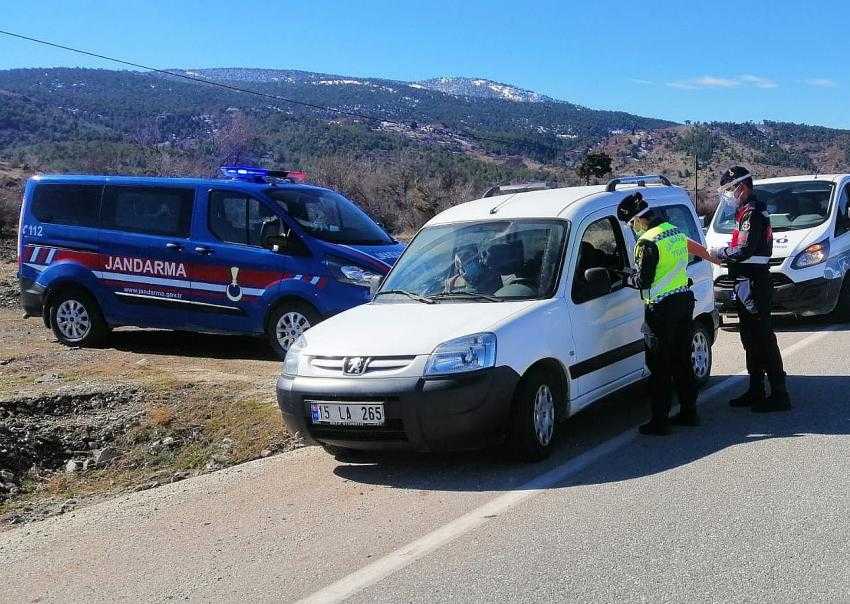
(661, 263)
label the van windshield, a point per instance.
(485, 261)
(329, 216)
(792, 205)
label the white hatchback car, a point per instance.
(504, 316)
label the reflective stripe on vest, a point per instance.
(671, 274)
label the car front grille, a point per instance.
(776, 279)
(393, 429)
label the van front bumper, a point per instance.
(806, 298)
(453, 413)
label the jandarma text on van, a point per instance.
(148, 267)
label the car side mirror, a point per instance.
(598, 282)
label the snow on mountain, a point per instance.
(482, 88)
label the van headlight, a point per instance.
(461, 355)
(345, 272)
(812, 255)
(293, 357)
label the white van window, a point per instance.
(681, 217)
(601, 246)
(493, 260)
(842, 221)
(792, 205)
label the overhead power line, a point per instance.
(231, 87)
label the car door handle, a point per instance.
(173, 246)
(203, 250)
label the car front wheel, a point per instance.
(76, 319)
(533, 419)
(701, 357)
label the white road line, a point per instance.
(406, 555)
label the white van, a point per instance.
(453, 355)
(811, 245)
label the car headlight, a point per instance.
(468, 353)
(345, 272)
(812, 255)
(293, 357)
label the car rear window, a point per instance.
(151, 210)
(682, 218)
(73, 205)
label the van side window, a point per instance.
(842, 221)
(681, 217)
(237, 218)
(72, 205)
(151, 210)
(601, 246)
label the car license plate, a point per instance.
(347, 414)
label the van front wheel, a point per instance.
(286, 324)
(533, 421)
(76, 319)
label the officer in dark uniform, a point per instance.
(661, 274)
(747, 258)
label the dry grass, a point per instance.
(160, 415)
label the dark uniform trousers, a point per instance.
(668, 354)
(758, 337)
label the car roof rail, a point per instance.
(513, 189)
(636, 180)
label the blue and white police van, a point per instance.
(256, 252)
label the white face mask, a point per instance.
(728, 199)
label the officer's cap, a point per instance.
(632, 207)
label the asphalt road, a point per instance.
(745, 508)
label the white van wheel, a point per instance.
(841, 314)
(701, 357)
(533, 416)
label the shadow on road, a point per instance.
(182, 343)
(821, 407)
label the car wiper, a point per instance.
(466, 295)
(404, 292)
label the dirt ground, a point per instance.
(151, 407)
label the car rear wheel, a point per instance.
(76, 319)
(701, 357)
(533, 420)
(287, 323)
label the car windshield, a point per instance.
(792, 205)
(329, 216)
(486, 261)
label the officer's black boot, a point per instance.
(687, 416)
(778, 399)
(753, 396)
(655, 427)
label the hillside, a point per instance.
(431, 144)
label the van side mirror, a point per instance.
(598, 282)
(286, 243)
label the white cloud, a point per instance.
(710, 81)
(641, 82)
(758, 81)
(821, 82)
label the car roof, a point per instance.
(566, 202)
(161, 181)
(802, 177)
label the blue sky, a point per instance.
(778, 60)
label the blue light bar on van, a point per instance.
(260, 175)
